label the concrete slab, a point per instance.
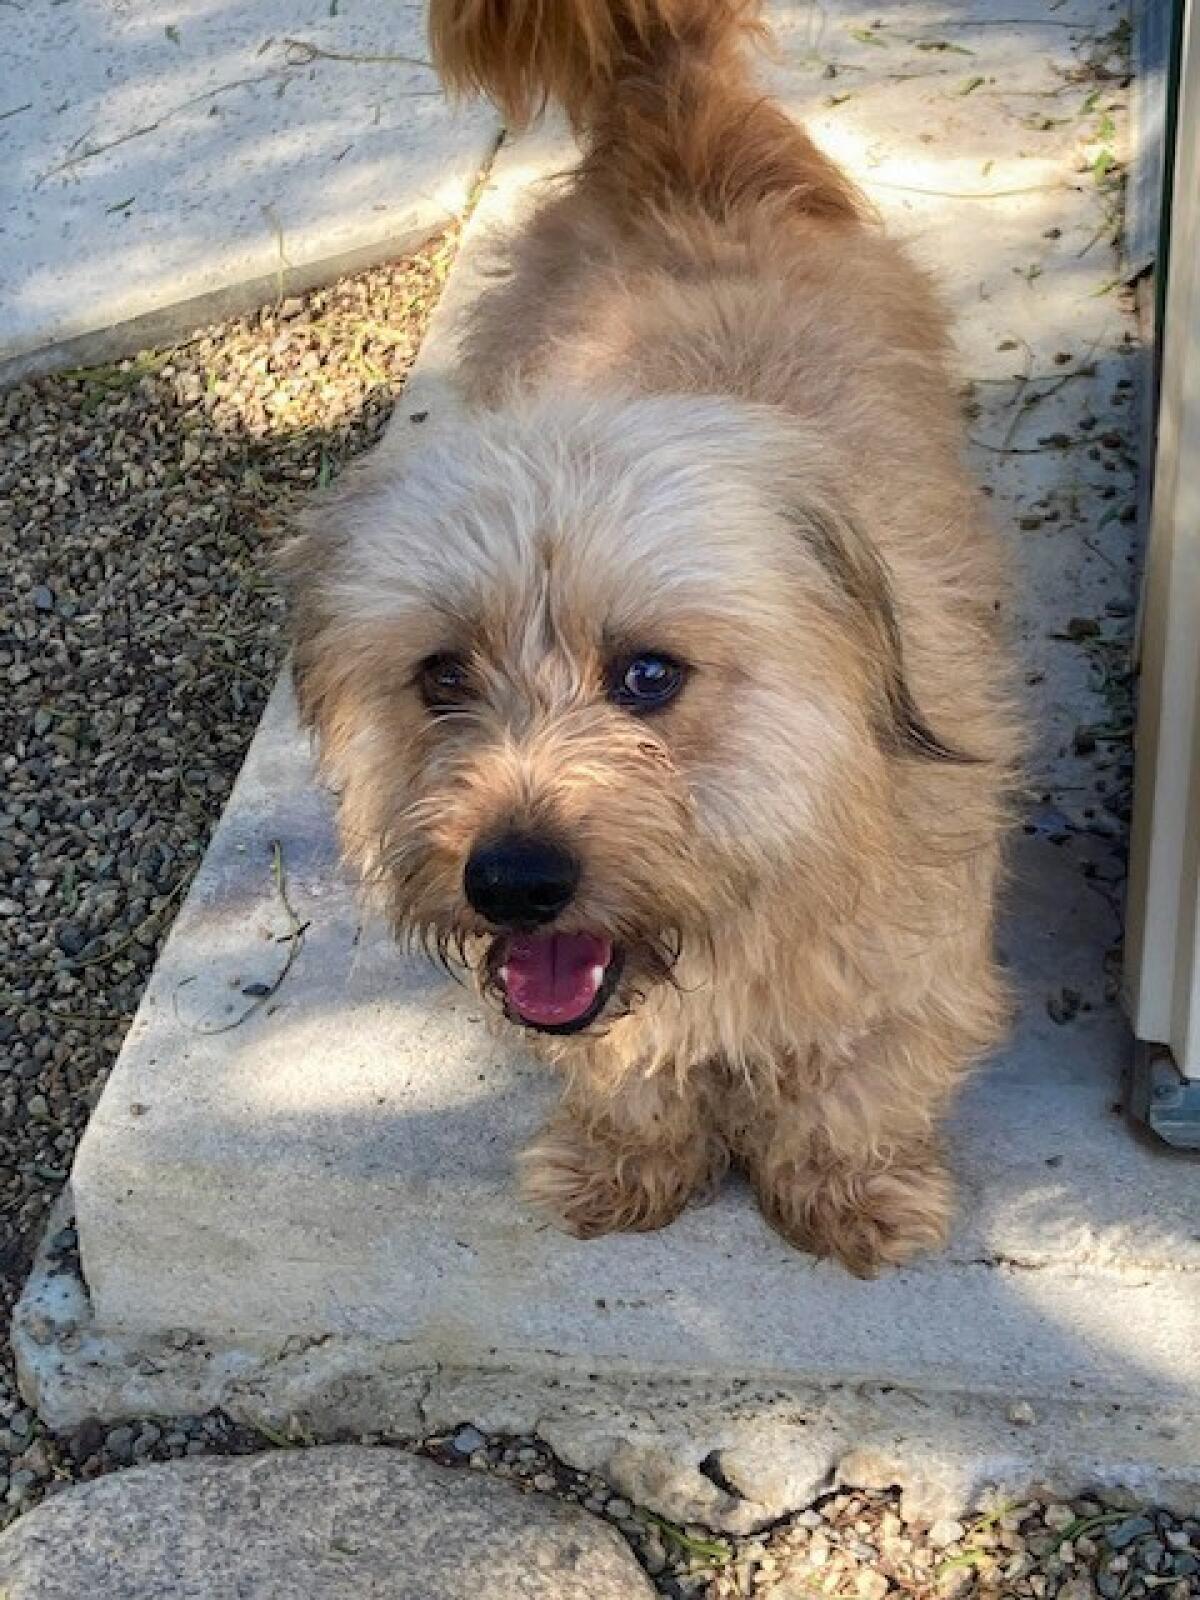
(374, 1117)
(302, 1200)
(166, 166)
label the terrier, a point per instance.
(666, 691)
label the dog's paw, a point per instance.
(591, 1186)
(867, 1220)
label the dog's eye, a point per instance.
(646, 682)
(444, 681)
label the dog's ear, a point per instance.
(860, 574)
(315, 558)
(308, 566)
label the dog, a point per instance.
(667, 691)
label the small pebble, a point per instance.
(945, 1532)
(87, 1439)
(956, 1583)
(1058, 1517)
(872, 1585)
(654, 1555)
(19, 1485)
(1124, 1533)
(119, 1443)
(1153, 1554)
(1077, 1589)
(467, 1441)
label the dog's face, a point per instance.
(590, 678)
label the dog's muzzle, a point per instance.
(552, 980)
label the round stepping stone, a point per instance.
(339, 1522)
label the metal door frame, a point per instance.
(1163, 924)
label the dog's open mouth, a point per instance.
(557, 982)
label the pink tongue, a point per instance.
(554, 978)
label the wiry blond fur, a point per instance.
(710, 415)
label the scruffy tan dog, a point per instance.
(665, 691)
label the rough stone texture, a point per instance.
(341, 1523)
(321, 1195)
(655, 1434)
(166, 167)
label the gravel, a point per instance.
(139, 638)
(859, 1544)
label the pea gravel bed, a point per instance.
(859, 1546)
(140, 633)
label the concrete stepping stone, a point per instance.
(335, 1523)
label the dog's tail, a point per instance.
(522, 53)
(658, 89)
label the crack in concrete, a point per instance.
(429, 1377)
(1133, 1269)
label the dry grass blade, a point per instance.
(294, 939)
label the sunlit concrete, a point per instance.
(167, 166)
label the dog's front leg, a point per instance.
(627, 1156)
(842, 1151)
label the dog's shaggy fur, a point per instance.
(708, 416)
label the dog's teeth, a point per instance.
(597, 976)
(502, 974)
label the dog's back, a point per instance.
(704, 243)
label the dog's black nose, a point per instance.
(519, 882)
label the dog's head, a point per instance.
(591, 677)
